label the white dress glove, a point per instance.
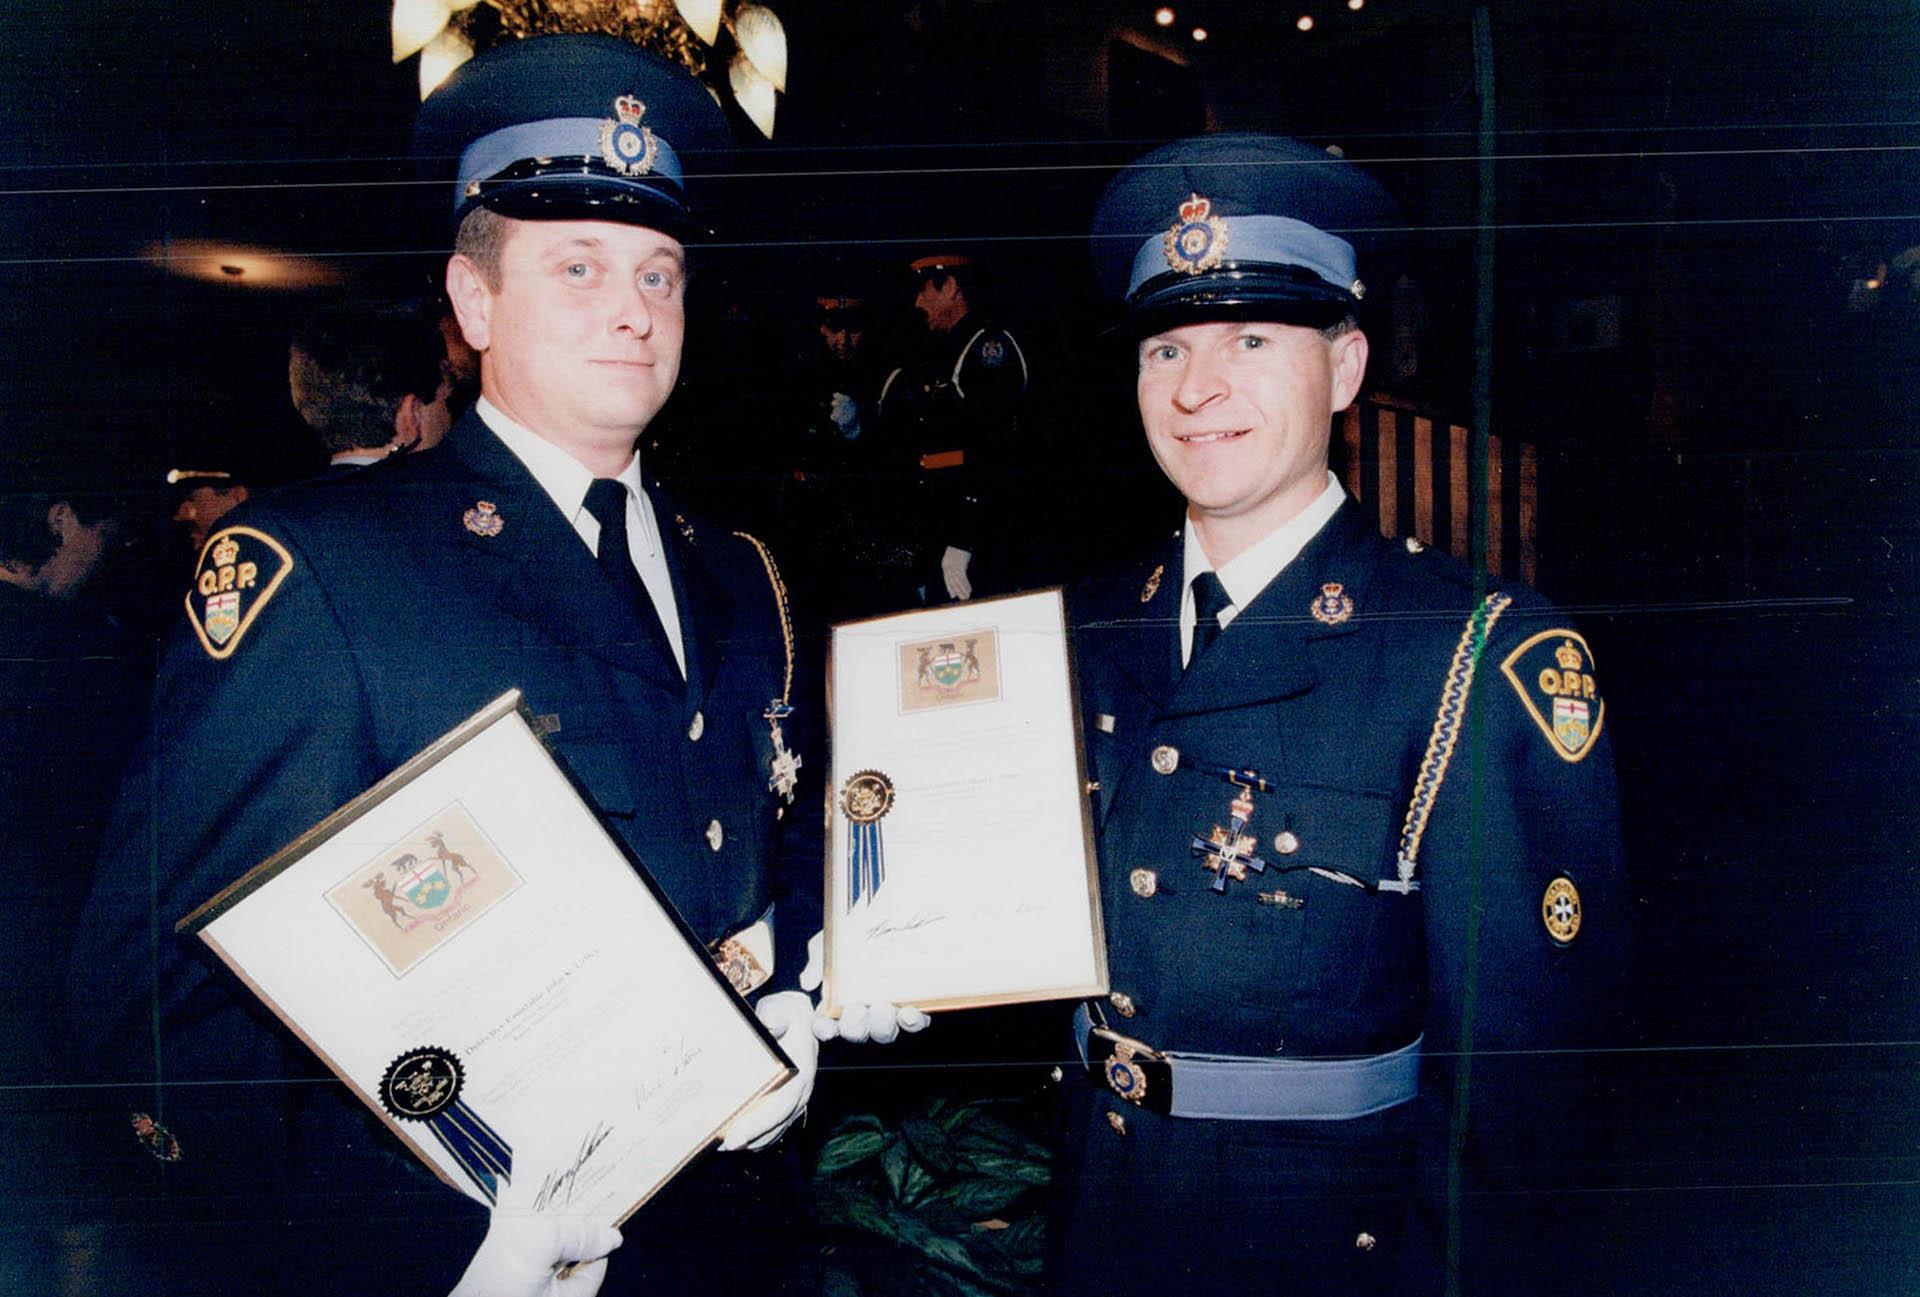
(953, 569)
(787, 1015)
(880, 1023)
(522, 1257)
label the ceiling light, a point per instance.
(1305, 22)
(1356, 5)
(1163, 17)
(1199, 33)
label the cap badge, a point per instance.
(1332, 605)
(627, 146)
(1198, 240)
(483, 519)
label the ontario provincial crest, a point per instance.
(963, 668)
(420, 892)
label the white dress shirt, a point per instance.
(1254, 568)
(566, 480)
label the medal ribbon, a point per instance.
(866, 860)
(476, 1146)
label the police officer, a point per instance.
(953, 414)
(1355, 806)
(335, 630)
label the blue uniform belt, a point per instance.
(1226, 1087)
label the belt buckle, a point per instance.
(1131, 1068)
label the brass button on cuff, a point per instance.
(1122, 1004)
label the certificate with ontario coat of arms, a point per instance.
(488, 969)
(960, 867)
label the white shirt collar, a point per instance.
(1254, 568)
(560, 475)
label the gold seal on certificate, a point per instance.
(956, 732)
(865, 800)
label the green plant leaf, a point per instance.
(930, 1143)
(895, 1162)
(977, 1197)
(848, 1148)
(1007, 1166)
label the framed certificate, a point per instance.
(960, 859)
(485, 967)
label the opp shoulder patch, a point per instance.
(240, 569)
(1554, 676)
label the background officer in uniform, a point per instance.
(527, 551)
(1356, 811)
(953, 415)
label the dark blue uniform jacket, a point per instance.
(395, 619)
(1336, 713)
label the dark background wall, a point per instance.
(1689, 201)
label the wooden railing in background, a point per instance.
(1413, 468)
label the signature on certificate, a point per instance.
(888, 928)
(556, 1190)
(673, 1060)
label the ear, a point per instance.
(406, 421)
(472, 301)
(1349, 367)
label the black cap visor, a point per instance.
(1282, 294)
(585, 189)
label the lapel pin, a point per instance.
(1332, 606)
(483, 519)
(1152, 587)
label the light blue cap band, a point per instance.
(1277, 240)
(555, 137)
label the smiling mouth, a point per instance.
(1209, 438)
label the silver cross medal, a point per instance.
(784, 769)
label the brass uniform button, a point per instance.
(1122, 1004)
(699, 727)
(1056, 1076)
(1118, 1123)
(1286, 842)
(1165, 759)
(1145, 882)
(1365, 1242)
(715, 834)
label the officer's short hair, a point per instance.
(481, 236)
(1344, 325)
(352, 365)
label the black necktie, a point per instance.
(1209, 601)
(607, 502)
